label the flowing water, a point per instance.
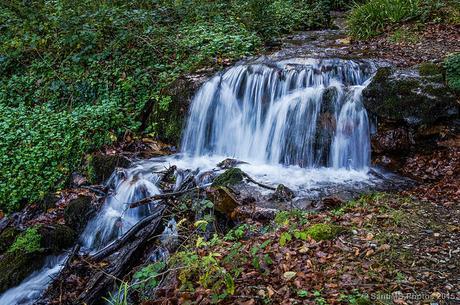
(307, 114)
(298, 122)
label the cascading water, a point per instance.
(127, 186)
(115, 218)
(308, 114)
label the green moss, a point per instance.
(7, 238)
(28, 241)
(231, 176)
(57, 237)
(323, 231)
(429, 69)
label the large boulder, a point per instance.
(416, 96)
(101, 166)
(78, 212)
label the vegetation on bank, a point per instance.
(76, 74)
(372, 17)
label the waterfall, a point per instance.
(305, 113)
(299, 122)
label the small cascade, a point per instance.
(306, 113)
(115, 218)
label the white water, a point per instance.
(307, 114)
(274, 116)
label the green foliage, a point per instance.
(374, 16)
(452, 65)
(75, 74)
(147, 277)
(27, 242)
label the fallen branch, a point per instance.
(259, 184)
(128, 236)
(128, 253)
(162, 197)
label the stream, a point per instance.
(299, 122)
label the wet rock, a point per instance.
(78, 212)
(282, 194)
(224, 200)
(395, 139)
(49, 202)
(7, 238)
(412, 96)
(230, 177)
(77, 180)
(229, 163)
(101, 166)
(56, 237)
(180, 92)
(14, 268)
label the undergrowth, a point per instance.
(374, 16)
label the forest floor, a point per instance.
(383, 248)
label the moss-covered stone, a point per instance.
(430, 69)
(282, 194)
(230, 177)
(57, 237)
(77, 212)
(101, 166)
(406, 95)
(323, 231)
(7, 237)
(223, 199)
(14, 268)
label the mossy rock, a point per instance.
(78, 212)
(223, 200)
(282, 194)
(57, 237)
(430, 69)
(14, 267)
(230, 177)
(408, 96)
(323, 231)
(101, 166)
(7, 238)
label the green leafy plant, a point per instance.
(147, 277)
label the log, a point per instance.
(128, 252)
(127, 237)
